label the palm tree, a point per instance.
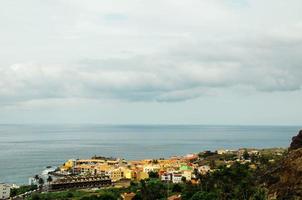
(41, 182)
(36, 177)
(49, 179)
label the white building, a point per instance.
(153, 168)
(204, 169)
(32, 181)
(166, 177)
(4, 191)
(176, 178)
(221, 151)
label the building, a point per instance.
(127, 173)
(139, 175)
(86, 169)
(221, 151)
(185, 168)
(175, 197)
(32, 181)
(116, 174)
(166, 177)
(4, 191)
(80, 182)
(151, 168)
(128, 196)
(176, 178)
(187, 174)
(204, 169)
(68, 166)
(191, 157)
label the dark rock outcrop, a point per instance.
(284, 181)
(289, 177)
(296, 142)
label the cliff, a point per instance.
(287, 177)
(296, 142)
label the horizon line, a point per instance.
(149, 124)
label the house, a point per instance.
(128, 196)
(204, 169)
(32, 181)
(151, 168)
(191, 157)
(221, 151)
(4, 191)
(127, 173)
(166, 177)
(176, 178)
(139, 175)
(175, 197)
(187, 174)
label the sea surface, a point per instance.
(25, 150)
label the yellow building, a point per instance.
(86, 169)
(116, 174)
(127, 173)
(187, 174)
(141, 175)
(67, 166)
(103, 169)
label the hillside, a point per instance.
(287, 177)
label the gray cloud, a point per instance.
(173, 52)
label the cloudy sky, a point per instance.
(151, 62)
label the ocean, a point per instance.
(25, 150)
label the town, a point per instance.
(106, 172)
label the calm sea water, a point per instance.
(25, 150)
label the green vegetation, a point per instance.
(236, 182)
(106, 194)
(229, 181)
(22, 190)
(153, 174)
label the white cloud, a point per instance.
(147, 51)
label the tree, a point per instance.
(260, 194)
(176, 188)
(205, 196)
(41, 182)
(104, 196)
(263, 160)
(22, 189)
(49, 179)
(212, 164)
(138, 196)
(153, 174)
(153, 189)
(36, 177)
(154, 161)
(253, 158)
(189, 190)
(246, 155)
(35, 196)
(107, 196)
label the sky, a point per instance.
(151, 62)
